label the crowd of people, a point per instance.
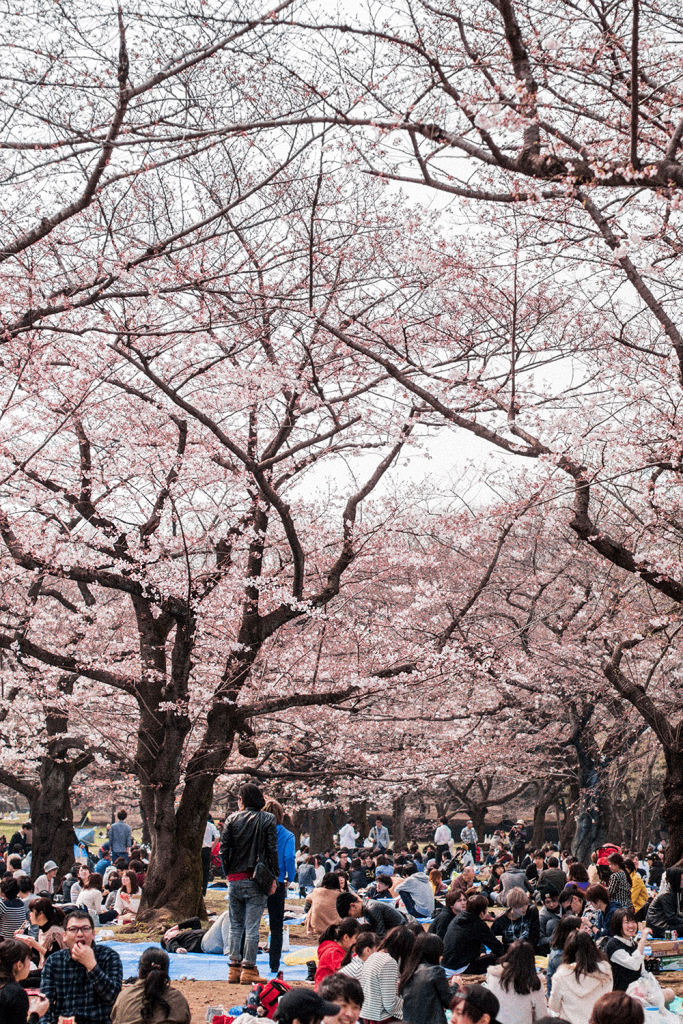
(396, 928)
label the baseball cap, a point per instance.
(304, 1004)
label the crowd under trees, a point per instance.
(255, 265)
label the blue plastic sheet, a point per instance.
(199, 966)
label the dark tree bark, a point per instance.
(358, 810)
(398, 821)
(546, 794)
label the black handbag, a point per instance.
(263, 876)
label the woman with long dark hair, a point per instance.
(380, 974)
(516, 985)
(619, 886)
(151, 999)
(583, 976)
(15, 965)
(423, 984)
(563, 929)
(336, 947)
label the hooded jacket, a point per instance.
(574, 998)
(464, 938)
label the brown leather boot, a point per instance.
(250, 975)
(234, 972)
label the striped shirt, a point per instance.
(12, 916)
(379, 978)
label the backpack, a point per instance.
(270, 994)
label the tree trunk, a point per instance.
(52, 817)
(146, 837)
(544, 799)
(358, 810)
(320, 828)
(398, 822)
(672, 810)
(590, 825)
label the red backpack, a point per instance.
(269, 995)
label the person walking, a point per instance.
(468, 836)
(249, 839)
(211, 834)
(443, 837)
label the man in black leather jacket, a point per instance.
(249, 836)
(665, 911)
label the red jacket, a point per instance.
(330, 956)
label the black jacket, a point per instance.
(526, 928)
(665, 912)
(439, 925)
(426, 996)
(243, 843)
(382, 917)
(464, 938)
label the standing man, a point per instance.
(276, 902)
(250, 836)
(211, 834)
(379, 835)
(468, 835)
(348, 835)
(22, 838)
(120, 837)
(82, 980)
(443, 837)
(517, 837)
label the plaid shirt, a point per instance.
(73, 992)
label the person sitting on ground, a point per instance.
(128, 898)
(423, 985)
(26, 893)
(619, 883)
(347, 993)
(138, 867)
(465, 936)
(572, 901)
(84, 979)
(639, 896)
(474, 1004)
(366, 944)
(583, 976)
(306, 877)
(520, 920)
(564, 928)
(455, 904)
(463, 881)
(335, 947)
(599, 897)
(357, 878)
(437, 883)
(82, 876)
(49, 921)
(151, 999)
(548, 919)
(624, 953)
(15, 965)
(321, 905)
(45, 883)
(665, 912)
(578, 876)
(617, 1008)
(380, 889)
(12, 909)
(304, 1006)
(416, 892)
(533, 870)
(104, 863)
(552, 875)
(512, 878)
(380, 973)
(516, 985)
(90, 898)
(381, 917)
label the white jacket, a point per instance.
(574, 998)
(515, 1009)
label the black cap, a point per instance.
(304, 1004)
(483, 999)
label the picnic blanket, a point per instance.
(199, 966)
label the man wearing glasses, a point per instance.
(83, 980)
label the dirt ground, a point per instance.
(201, 994)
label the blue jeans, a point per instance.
(246, 903)
(217, 938)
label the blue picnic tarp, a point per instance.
(199, 966)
